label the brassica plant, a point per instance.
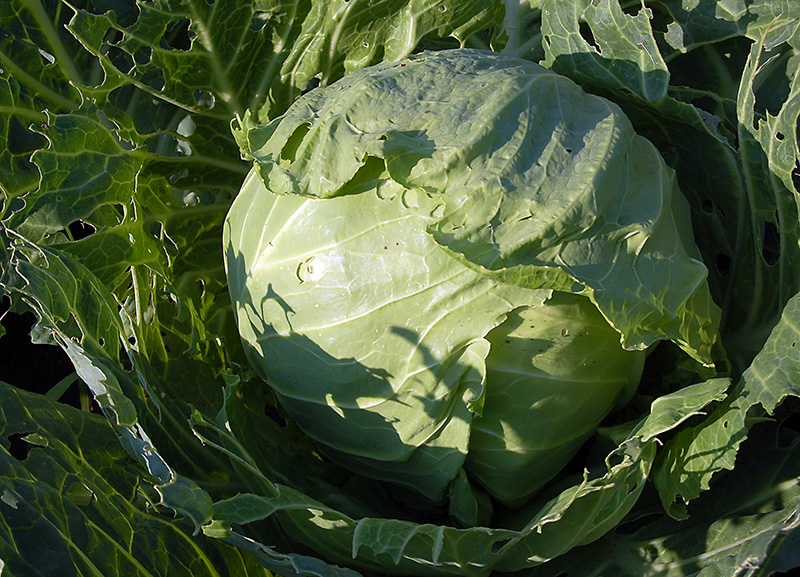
(456, 263)
(399, 287)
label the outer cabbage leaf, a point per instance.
(553, 373)
(734, 87)
(582, 510)
(76, 505)
(710, 84)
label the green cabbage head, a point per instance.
(450, 270)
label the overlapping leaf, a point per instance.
(79, 505)
(538, 532)
(673, 64)
(158, 81)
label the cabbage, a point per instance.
(450, 270)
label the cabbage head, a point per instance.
(450, 270)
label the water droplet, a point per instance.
(485, 84)
(442, 8)
(564, 332)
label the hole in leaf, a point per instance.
(311, 85)
(780, 135)
(367, 177)
(157, 229)
(20, 140)
(177, 35)
(114, 36)
(186, 127)
(183, 148)
(497, 545)
(143, 55)
(176, 176)
(722, 262)
(190, 198)
(154, 78)
(771, 85)
(204, 99)
(272, 413)
(707, 104)
(121, 60)
(289, 150)
(631, 9)
(260, 20)
(660, 19)
(19, 448)
(586, 33)
(770, 240)
(81, 229)
(125, 13)
(121, 211)
(707, 206)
